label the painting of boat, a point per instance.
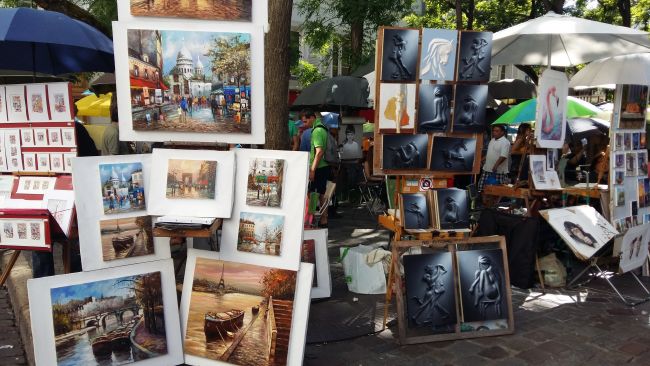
(219, 324)
(122, 242)
(102, 347)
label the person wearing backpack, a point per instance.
(319, 169)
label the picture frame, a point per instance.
(41, 291)
(68, 137)
(416, 211)
(438, 54)
(322, 281)
(54, 137)
(632, 113)
(619, 196)
(400, 54)
(26, 137)
(405, 152)
(469, 108)
(60, 102)
(67, 161)
(434, 107)
(397, 103)
(292, 209)
(3, 104)
(25, 229)
(216, 13)
(634, 248)
(16, 105)
(56, 163)
(350, 141)
(40, 137)
(474, 54)
(43, 162)
(457, 154)
(148, 129)
(13, 150)
(37, 105)
(452, 209)
(36, 185)
(3, 150)
(551, 114)
(300, 308)
(60, 203)
(29, 162)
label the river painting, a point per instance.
(110, 322)
(260, 233)
(234, 309)
(125, 238)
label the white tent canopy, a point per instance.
(624, 69)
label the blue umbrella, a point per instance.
(51, 43)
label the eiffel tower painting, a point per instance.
(222, 283)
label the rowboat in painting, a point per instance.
(219, 324)
(102, 347)
(122, 242)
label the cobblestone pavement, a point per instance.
(11, 346)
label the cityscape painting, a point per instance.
(265, 182)
(194, 179)
(199, 9)
(122, 187)
(260, 233)
(182, 81)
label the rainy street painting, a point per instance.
(110, 322)
(240, 313)
(193, 179)
(238, 10)
(126, 238)
(190, 81)
(122, 187)
(265, 178)
(260, 233)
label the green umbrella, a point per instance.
(525, 111)
(368, 127)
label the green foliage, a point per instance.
(306, 73)
(61, 319)
(231, 55)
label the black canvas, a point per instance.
(453, 209)
(430, 300)
(405, 151)
(416, 211)
(453, 154)
(434, 107)
(469, 108)
(474, 58)
(482, 285)
(400, 55)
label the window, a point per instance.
(136, 70)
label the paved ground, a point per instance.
(11, 347)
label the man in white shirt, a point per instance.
(497, 158)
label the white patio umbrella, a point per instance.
(562, 40)
(623, 69)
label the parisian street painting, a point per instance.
(126, 238)
(234, 309)
(265, 182)
(122, 187)
(237, 10)
(260, 233)
(191, 179)
(110, 322)
(184, 81)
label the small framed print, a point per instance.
(59, 101)
(43, 161)
(619, 177)
(636, 141)
(54, 136)
(642, 141)
(40, 137)
(16, 108)
(3, 104)
(642, 163)
(37, 103)
(3, 157)
(29, 162)
(627, 141)
(56, 163)
(67, 136)
(618, 142)
(26, 137)
(67, 162)
(619, 160)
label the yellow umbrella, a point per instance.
(95, 106)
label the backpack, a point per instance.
(331, 148)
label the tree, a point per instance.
(232, 55)
(306, 73)
(279, 283)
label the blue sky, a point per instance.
(198, 43)
(126, 168)
(104, 288)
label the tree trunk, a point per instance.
(276, 75)
(556, 6)
(533, 10)
(74, 11)
(459, 15)
(356, 44)
(624, 7)
(470, 15)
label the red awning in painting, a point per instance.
(139, 83)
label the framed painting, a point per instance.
(131, 316)
(68, 138)
(469, 108)
(454, 154)
(59, 101)
(26, 137)
(350, 142)
(452, 208)
(438, 56)
(54, 137)
(415, 211)
(434, 107)
(56, 163)
(314, 251)
(3, 104)
(397, 107)
(29, 162)
(400, 54)
(260, 233)
(25, 233)
(224, 303)
(37, 103)
(265, 179)
(634, 248)
(405, 151)
(16, 105)
(474, 56)
(633, 105)
(43, 162)
(13, 150)
(551, 112)
(225, 12)
(190, 82)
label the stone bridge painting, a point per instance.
(109, 322)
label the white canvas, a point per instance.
(40, 137)
(292, 208)
(220, 206)
(3, 104)
(322, 270)
(301, 304)
(59, 101)
(6, 185)
(127, 132)
(29, 162)
(68, 137)
(54, 136)
(26, 137)
(634, 248)
(542, 178)
(60, 203)
(16, 106)
(550, 125)
(56, 163)
(390, 107)
(43, 162)
(13, 237)
(35, 185)
(41, 309)
(37, 103)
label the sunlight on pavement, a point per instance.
(537, 301)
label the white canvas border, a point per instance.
(41, 314)
(16, 117)
(53, 88)
(292, 208)
(127, 133)
(324, 288)
(37, 89)
(3, 104)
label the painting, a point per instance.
(400, 54)
(627, 141)
(230, 309)
(550, 159)
(40, 137)
(397, 107)
(634, 248)
(25, 233)
(633, 107)
(185, 81)
(122, 187)
(434, 107)
(202, 9)
(37, 103)
(191, 179)
(474, 56)
(260, 233)
(314, 250)
(54, 136)
(350, 142)
(16, 105)
(630, 164)
(642, 162)
(636, 141)
(43, 161)
(453, 208)
(619, 177)
(29, 162)
(438, 58)
(415, 211)
(59, 101)
(430, 295)
(482, 285)
(127, 237)
(453, 154)
(551, 109)
(405, 151)
(68, 137)
(264, 187)
(107, 317)
(56, 163)
(308, 255)
(642, 140)
(619, 160)
(26, 137)
(469, 108)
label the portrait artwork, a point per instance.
(482, 285)
(469, 108)
(59, 101)
(415, 211)
(474, 57)
(397, 107)
(240, 10)
(400, 54)
(453, 154)
(438, 57)
(434, 107)
(405, 151)
(350, 141)
(551, 111)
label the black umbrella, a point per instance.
(512, 89)
(333, 94)
(583, 127)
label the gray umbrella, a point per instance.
(512, 89)
(339, 92)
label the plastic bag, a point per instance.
(361, 277)
(554, 271)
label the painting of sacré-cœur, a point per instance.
(184, 81)
(232, 308)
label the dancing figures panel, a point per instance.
(482, 285)
(551, 109)
(405, 151)
(469, 108)
(434, 107)
(438, 58)
(415, 211)
(474, 56)
(453, 154)
(400, 54)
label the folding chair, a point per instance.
(329, 192)
(371, 190)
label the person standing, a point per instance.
(319, 170)
(497, 157)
